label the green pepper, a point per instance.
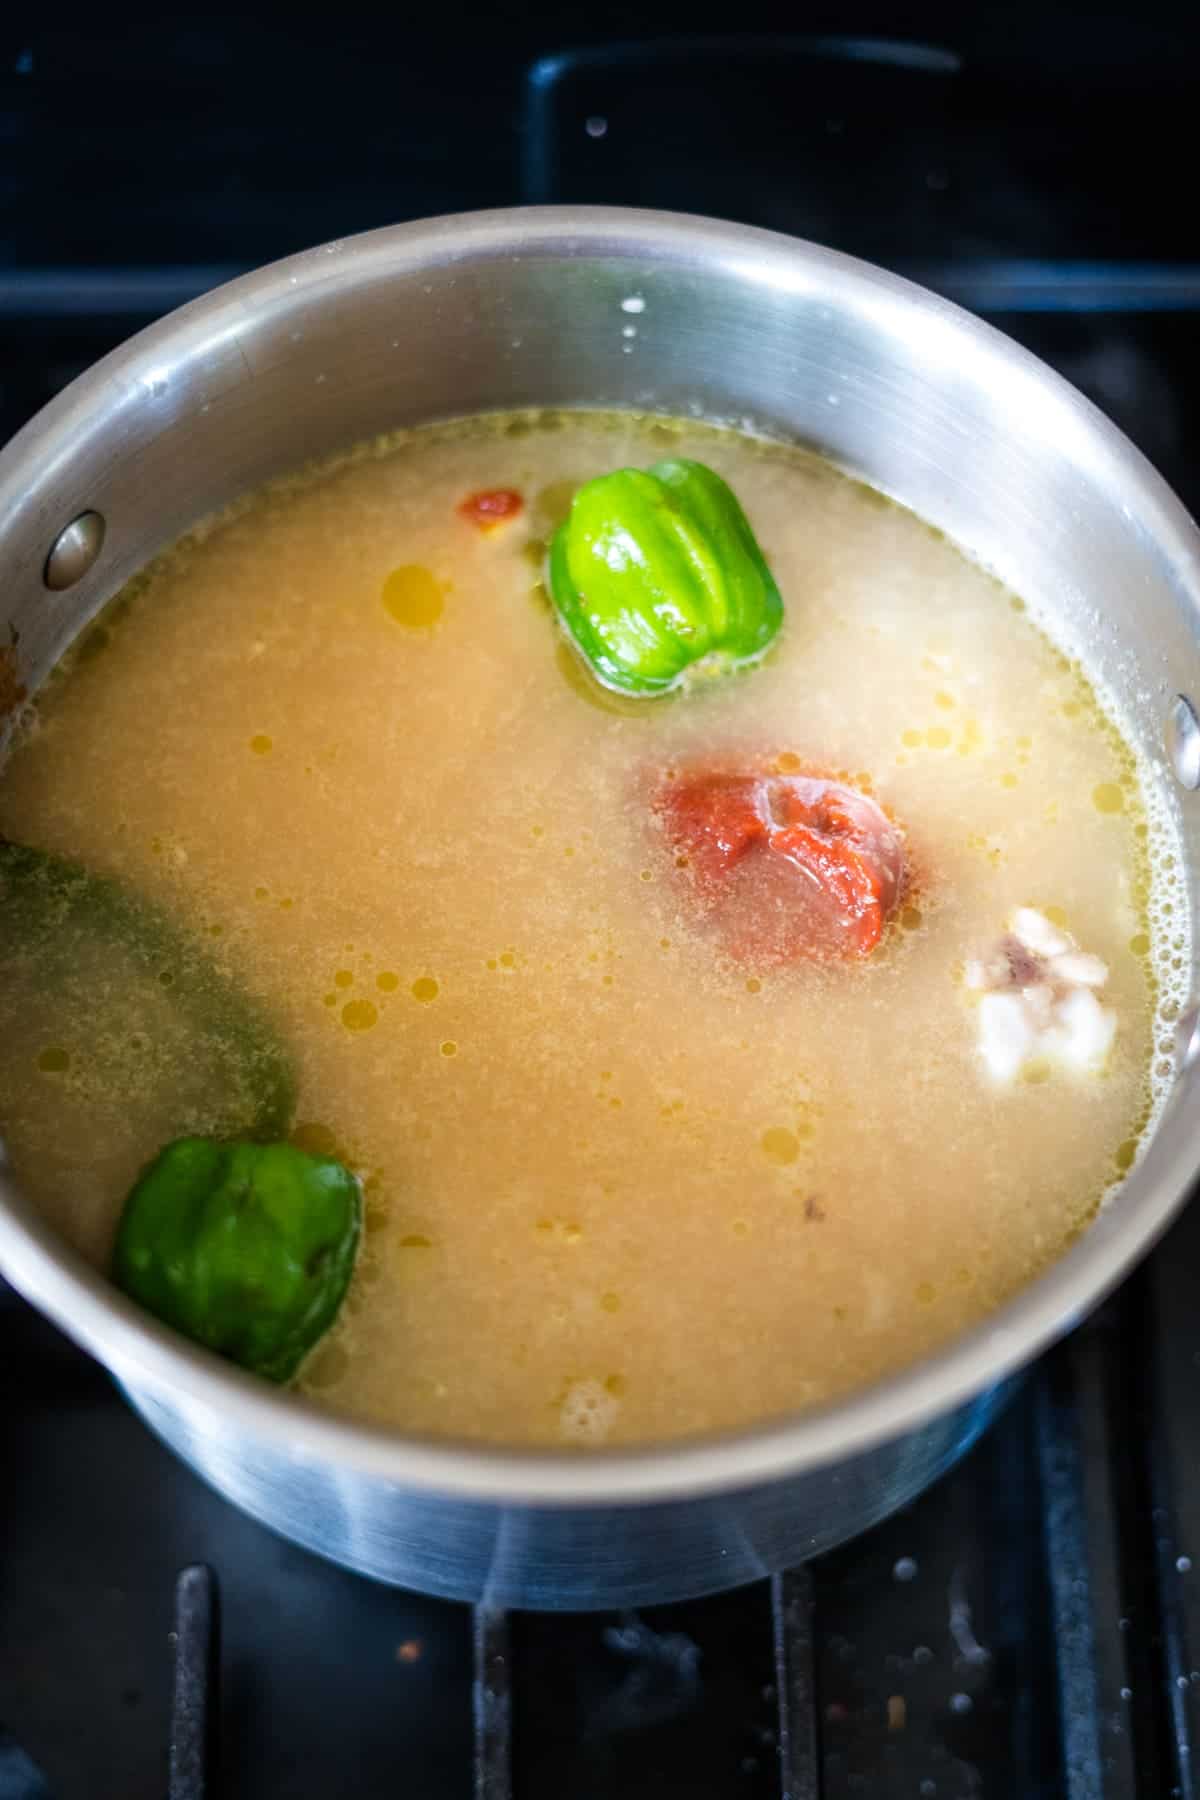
(655, 572)
(245, 1248)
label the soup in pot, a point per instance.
(700, 1056)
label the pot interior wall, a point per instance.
(348, 341)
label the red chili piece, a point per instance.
(491, 507)
(746, 839)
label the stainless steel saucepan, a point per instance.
(585, 308)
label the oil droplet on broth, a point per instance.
(386, 982)
(780, 1145)
(972, 737)
(565, 1229)
(260, 743)
(359, 1015)
(414, 597)
(343, 978)
(1108, 797)
(424, 989)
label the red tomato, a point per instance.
(491, 507)
(713, 821)
(787, 865)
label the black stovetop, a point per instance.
(1027, 1629)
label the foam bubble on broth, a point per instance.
(791, 1180)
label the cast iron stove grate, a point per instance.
(1024, 1630)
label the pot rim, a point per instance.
(152, 1359)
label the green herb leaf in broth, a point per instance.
(138, 1037)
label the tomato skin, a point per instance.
(491, 507)
(788, 867)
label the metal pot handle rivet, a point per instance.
(1187, 1038)
(74, 551)
(1183, 742)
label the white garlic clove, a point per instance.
(1079, 969)
(1083, 1030)
(1039, 1006)
(1034, 931)
(1006, 1035)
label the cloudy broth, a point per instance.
(619, 1183)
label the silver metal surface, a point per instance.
(527, 308)
(1183, 742)
(1187, 1037)
(74, 551)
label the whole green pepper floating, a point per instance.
(655, 572)
(245, 1248)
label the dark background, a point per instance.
(1038, 163)
(1023, 159)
